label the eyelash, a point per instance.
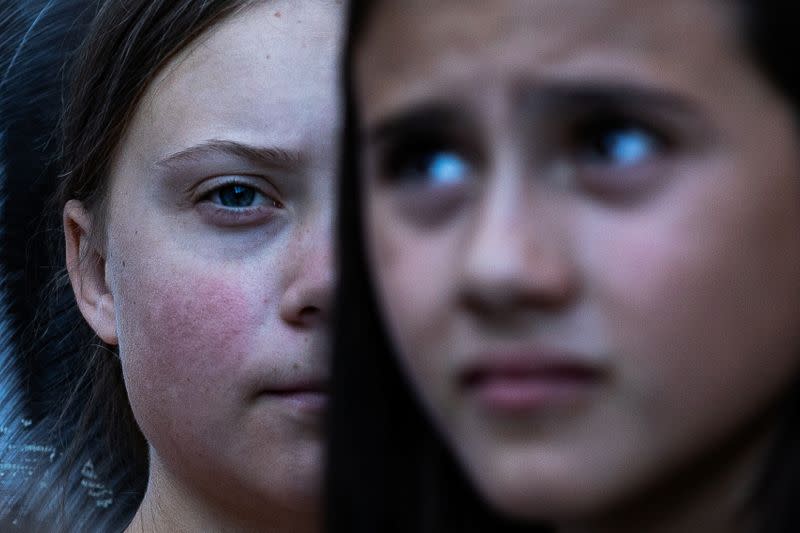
(584, 136)
(614, 154)
(228, 215)
(407, 162)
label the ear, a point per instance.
(86, 265)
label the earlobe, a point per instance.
(86, 265)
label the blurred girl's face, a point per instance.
(217, 267)
(583, 218)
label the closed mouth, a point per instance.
(528, 381)
(313, 398)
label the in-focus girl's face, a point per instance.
(218, 256)
(583, 219)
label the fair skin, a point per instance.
(583, 230)
(214, 271)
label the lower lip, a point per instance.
(312, 401)
(523, 394)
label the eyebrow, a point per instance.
(419, 119)
(423, 117)
(267, 156)
(590, 94)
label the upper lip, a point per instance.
(536, 363)
(299, 386)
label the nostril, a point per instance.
(310, 311)
(504, 296)
(504, 303)
(306, 301)
(309, 315)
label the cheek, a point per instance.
(703, 288)
(413, 272)
(184, 340)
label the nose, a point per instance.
(306, 301)
(517, 254)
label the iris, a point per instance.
(446, 168)
(237, 196)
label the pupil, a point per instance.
(237, 196)
(627, 147)
(446, 168)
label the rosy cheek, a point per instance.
(184, 340)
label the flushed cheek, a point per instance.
(698, 297)
(184, 342)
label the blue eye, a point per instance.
(236, 196)
(447, 168)
(620, 144)
(630, 147)
(436, 168)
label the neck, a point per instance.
(713, 495)
(171, 505)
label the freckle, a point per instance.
(123, 264)
(295, 366)
(277, 14)
(268, 56)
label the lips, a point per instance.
(307, 395)
(529, 380)
(299, 387)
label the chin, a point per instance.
(294, 479)
(537, 486)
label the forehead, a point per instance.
(262, 76)
(416, 46)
